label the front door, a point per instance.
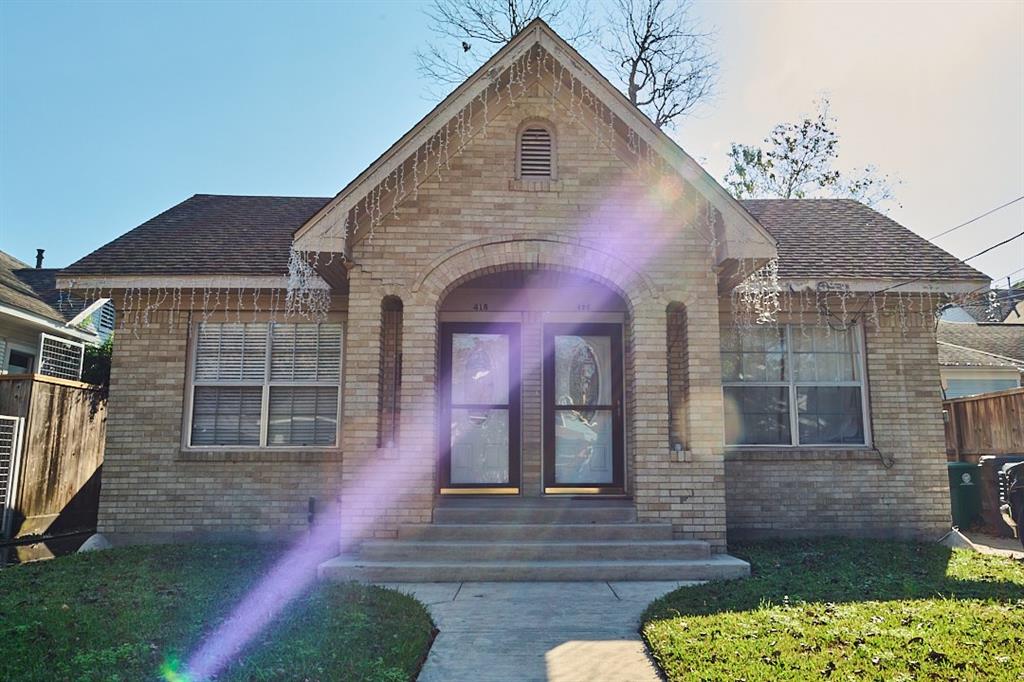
(479, 434)
(583, 442)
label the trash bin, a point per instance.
(964, 493)
(988, 481)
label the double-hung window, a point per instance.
(266, 384)
(793, 385)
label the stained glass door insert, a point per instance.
(583, 408)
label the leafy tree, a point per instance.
(96, 364)
(664, 63)
(798, 161)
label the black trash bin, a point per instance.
(990, 467)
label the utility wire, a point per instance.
(975, 219)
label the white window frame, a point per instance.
(792, 384)
(20, 348)
(266, 385)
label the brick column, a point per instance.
(688, 491)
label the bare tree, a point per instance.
(468, 32)
(665, 64)
(664, 61)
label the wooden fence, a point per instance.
(986, 424)
(64, 430)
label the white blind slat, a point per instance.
(231, 352)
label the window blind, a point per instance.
(264, 384)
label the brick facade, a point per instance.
(643, 239)
(897, 487)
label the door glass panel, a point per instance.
(583, 370)
(583, 446)
(480, 369)
(479, 446)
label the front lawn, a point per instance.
(137, 613)
(843, 610)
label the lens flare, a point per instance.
(631, 224)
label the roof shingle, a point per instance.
(240, 235)
(207, 234)
(844, 239)
(1005, 340)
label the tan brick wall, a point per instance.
(153, 490)
(601, 220)
(898, 488)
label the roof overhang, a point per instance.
(112, 282)
(865, 285)
(46, 324)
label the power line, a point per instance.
(975, 219)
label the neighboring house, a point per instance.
(996, 305)
(534, 295)
(980, 357)
(42, 329)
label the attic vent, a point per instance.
(535, 152)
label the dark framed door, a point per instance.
(583, 428)
(479, 416)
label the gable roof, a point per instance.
(207, 234)
(752, 241)
(1004, 340)
(844, 239)
(211, 234)
(16, 292)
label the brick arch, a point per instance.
(486, 256)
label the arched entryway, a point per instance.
(531, 385)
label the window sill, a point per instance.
(534, 185)
(260, 455)
(806, 453)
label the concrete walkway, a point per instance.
(564, 632)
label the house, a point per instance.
(980, 357)
(51, 424)
(534, 317)
(42, 329)
(996, 305)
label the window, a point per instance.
(793, 385)
(20, 362)
(536, 153)
(266, 384)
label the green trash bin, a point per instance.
(965, 493)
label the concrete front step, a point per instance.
(404, 550)
(527, 532)
(541, 513)
(716, 567)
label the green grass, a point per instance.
(136, 613)
(844, 610)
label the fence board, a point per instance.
(986, 424)
(62, 456)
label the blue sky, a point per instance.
(113, 112)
